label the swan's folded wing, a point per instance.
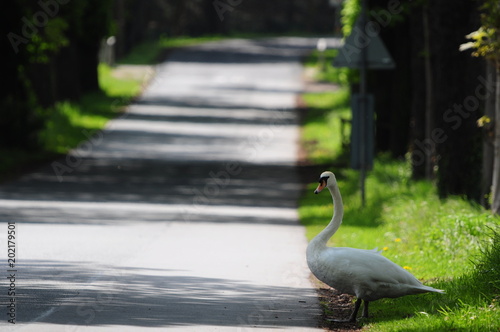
(375, 276)
(380, 269)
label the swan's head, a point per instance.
(325, 179)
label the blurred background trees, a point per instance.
(428, 105)
(428, 108)
(136, 21)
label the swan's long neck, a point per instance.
(338, 212)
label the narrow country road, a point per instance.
(180, 215)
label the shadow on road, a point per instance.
(117, 191)
(148, 298)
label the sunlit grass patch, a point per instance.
(321, 134)
(71, 123)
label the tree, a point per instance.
(32, 37)
(423, 38)
(50, 54)
(455, 82)
(391, 97)
(486, 42)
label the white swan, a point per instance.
(363, 273)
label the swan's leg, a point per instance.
(355, 312)
(365, 309)
(352, 318)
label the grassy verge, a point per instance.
(448, 244)
(70, 123)
(322, 137)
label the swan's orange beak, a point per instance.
(321, 186)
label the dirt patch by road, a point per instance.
(336, 306)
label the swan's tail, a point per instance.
(431, 289)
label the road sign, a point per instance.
(364, 38)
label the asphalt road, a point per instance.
(181, 214)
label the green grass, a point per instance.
(321, 137)
(329, 73)
(70, 123)
(449, 244)
(324, 137)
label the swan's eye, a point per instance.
(323, 179)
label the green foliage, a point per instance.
(39, 32)
(486, 40)
(349, 14)
(47, 43)
(490, 16)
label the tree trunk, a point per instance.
(120, 26)
(88, 62)
(495, 207)
(393, 97)
(488, 141)
(429, 112)
(417, 77)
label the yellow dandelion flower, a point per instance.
(406, 267)
(385, 248)
(397, 240)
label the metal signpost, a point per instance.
(363, 49)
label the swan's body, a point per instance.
(363, 273)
